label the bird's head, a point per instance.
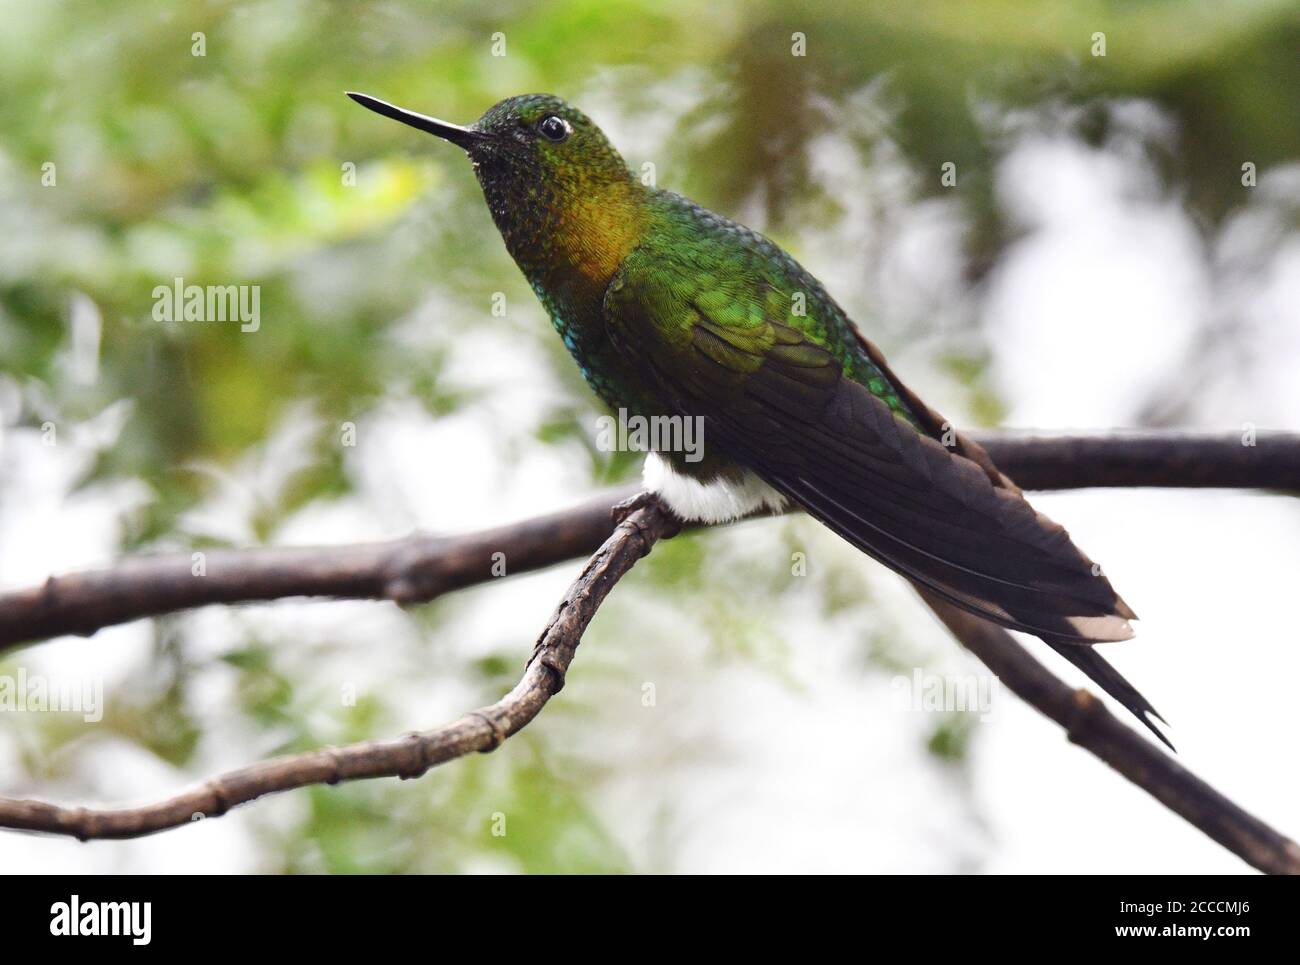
(561, 195)
(527, 150)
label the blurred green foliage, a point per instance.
(226, 167)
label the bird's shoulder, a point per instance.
(724, 253)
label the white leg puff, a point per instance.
(719, 501)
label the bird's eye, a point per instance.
(554, 128)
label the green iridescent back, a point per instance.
(738, 277)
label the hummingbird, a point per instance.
(671, 310)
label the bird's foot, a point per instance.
(647, 500)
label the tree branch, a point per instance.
(414, 569)
(1089, 724)
(1182, 460)
(480, 730)
(421, 567)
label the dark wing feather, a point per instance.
(780, 404)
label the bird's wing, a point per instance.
(775, 400)
(1084, 657)
(780, 403)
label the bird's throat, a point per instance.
(570, 243)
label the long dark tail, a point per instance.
(1112, 681)
(919, 498)
(946, 518)
(1083, 656)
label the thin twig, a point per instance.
(480, 730)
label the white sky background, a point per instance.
(814, 768)
(1091, 313)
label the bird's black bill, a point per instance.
(461, 136)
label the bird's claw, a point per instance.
(625, 508)
(644, 500)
